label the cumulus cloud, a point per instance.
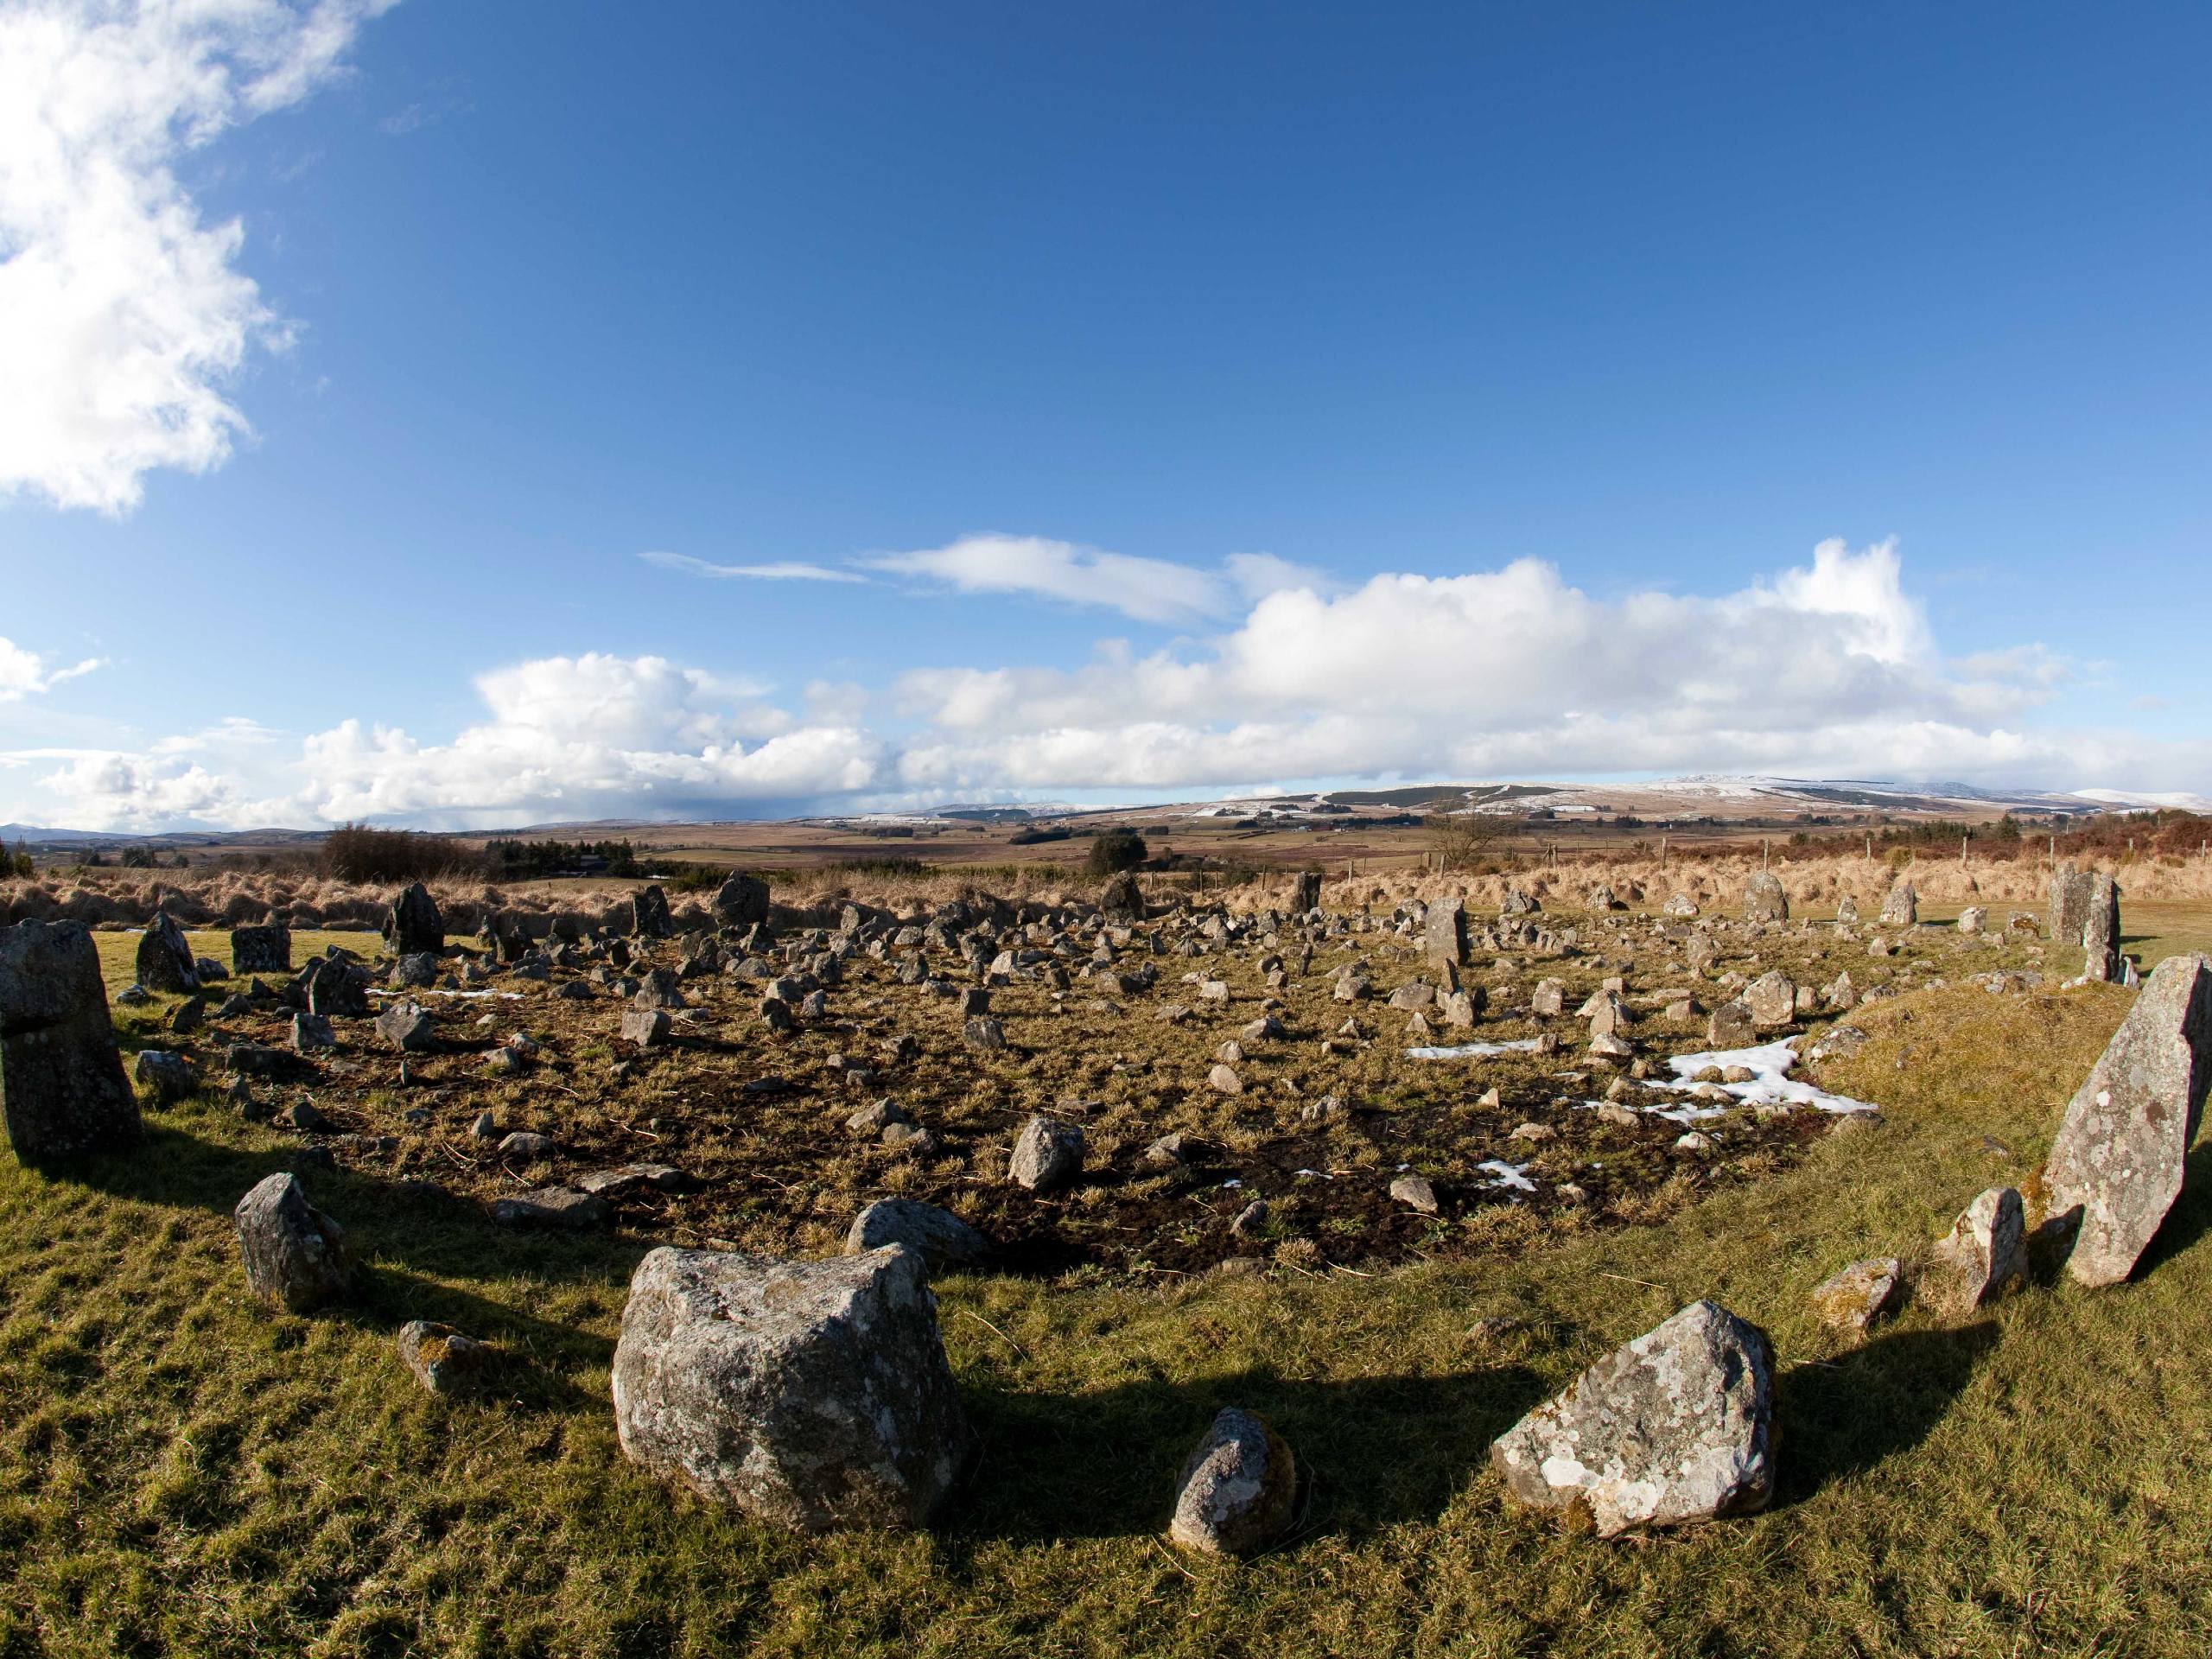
(776, 570)
(1826, 669)
(25, 673)
(124, 317)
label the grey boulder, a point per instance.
(1675, 1428)
(810, 1395)
(1239, 1489)
(1047, 1154)
(1985, 1252)
(294, 1253)
(63, 1094)
(942, 1237)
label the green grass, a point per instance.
(119, 949)
(184, 1470)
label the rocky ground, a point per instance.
(1241, 1082)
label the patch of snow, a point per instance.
(466, 996)
(1474, 1051)
(1511, 1175)
(1770, 1085)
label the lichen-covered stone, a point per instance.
(1854, 1296)
(1445, 940)
(63, 1094)
(443, 1360)
(1674, 1427)
(942, 1237)
(294, 1253)
(265, 949)
(165, 961)
(1985, 1252)
(1764, 900)
(811, 1395)
(2121, 1148)
(1239, 1489)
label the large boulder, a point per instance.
(294, 1253)
(1446, 941)
(1677, 1427)
(63, 1094)
(414, 926)
(811, 1395)
(1764, 900)
(165, 960)
(1239, 1489)
(2120, 1149)
(742, 901)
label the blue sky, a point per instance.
(1455, 391)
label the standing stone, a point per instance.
(2071, 890)
(2119, 1154)
(1446, 938)
(62, 1091)
(294, 1253)
(408, 1027)
(1772, 1000)
(1983, 1252)
(1239, 1489)
(1764, 900)
(1846, 911)
(415, 925)
(1854, 1296)
(1306, 896)
(1048, 1155)
(649, 917)
(261, 949)
(165, 961)
(2100, 933)
(1673, 1428)
(1901, 907)
(742, 901)
(1122, 899)
(1972, 920)
(811, 1395)
(333, 989)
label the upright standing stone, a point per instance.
(294, 1253)
(1985, 1252)
(743, 901)
(2070, 893)
(1901, 907)
(811, 1395)
(266, 949)
(2121, 1147)
(165, 961)
(330, 987)
(1676, 1426)
(1764, 900)
(2100, 933)
(62, 1091)
(1447, 932)
(649, 917)
(1306, 895)
(415, 925)
(1239, 1490)
(1122, 899)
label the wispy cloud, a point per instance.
(776, 570)
(25, 674)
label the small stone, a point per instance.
(1047, 1155)
(443, 1361)
(1239, 1489)
(941, 1236)
(551, 1206)
(1224, 1080)
(293, 1254)
(169, 1076)
(1854, 1296)
(1984, 1252)
(407, 1027)
(1415, 1193)
(524, 1144)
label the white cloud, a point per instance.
(1830, 669)
(778, 571)
(124, 317)
(1149, 590)
(25, 674)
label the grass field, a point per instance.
(184, 1470)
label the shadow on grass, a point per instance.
(422, 1228)
(1846, 1416)
(1372, 1452)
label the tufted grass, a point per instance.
(184, 1472)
